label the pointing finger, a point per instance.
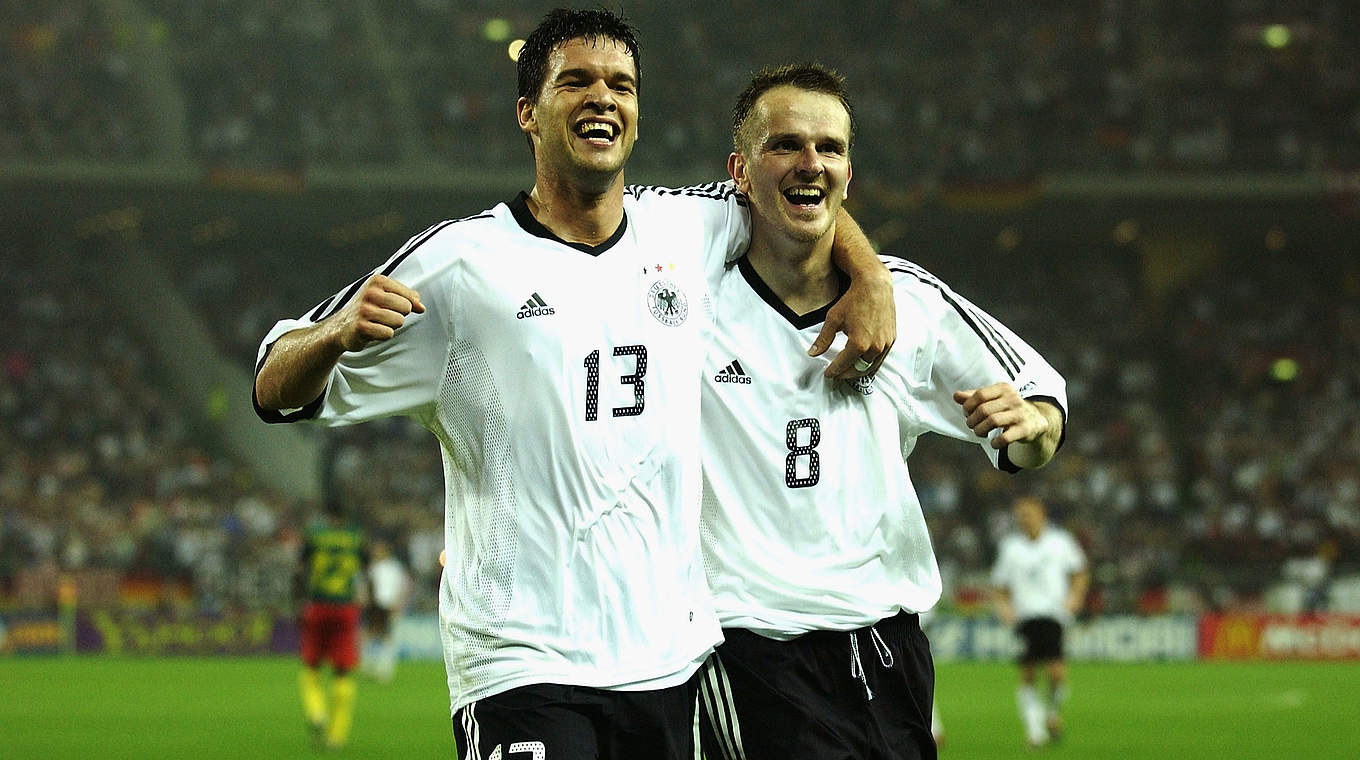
(828, 333)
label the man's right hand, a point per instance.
(300, 362)
(375, 314)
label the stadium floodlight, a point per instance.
(496, 30)
(1276, 36)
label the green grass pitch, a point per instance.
(205, 709)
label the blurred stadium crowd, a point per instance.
(948, 89)
(102, 471)
(1212, 438)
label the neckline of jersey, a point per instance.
(519, 208)
(800, 321)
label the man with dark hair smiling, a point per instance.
(814, 541)
(553, 345)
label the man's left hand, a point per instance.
(867, 314)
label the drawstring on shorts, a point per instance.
(881, 646)
(857, 668)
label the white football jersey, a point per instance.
(810, 520)
(561, 382)
(1038, 572)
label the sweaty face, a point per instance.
(584, 122)
(797, 166)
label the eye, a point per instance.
(784, 145)
(833, 148)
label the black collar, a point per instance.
(814, 317)
(530, 224)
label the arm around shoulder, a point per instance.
(867, 313)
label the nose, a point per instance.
(599, 95)
(810, 161)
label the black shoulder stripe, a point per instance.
(995, 341)
(718, 191)
(323, 312)
(1000, 339)
(316, 313)
(421, 239)
(999, 348)
(992, 347)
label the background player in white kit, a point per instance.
(389, 588)
(1040, 581)
(815, 544)
(574, 610)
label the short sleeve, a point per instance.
(395, 377)
(962, 347)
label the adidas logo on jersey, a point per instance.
(733, 373)
(534, 307)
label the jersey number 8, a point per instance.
(797, 450)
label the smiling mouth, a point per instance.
(597, 132)
(805, 197)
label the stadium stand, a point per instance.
(66, 85)
(1212, 374)
(966, 95)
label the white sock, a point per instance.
(1032, 714)
(1057, 695)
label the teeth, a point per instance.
(803, 194)
(595, 129)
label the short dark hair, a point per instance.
(813, 77)
(566, 24)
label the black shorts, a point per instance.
(820, 696)
(1043, 640)
(578, 723)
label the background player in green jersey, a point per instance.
(333, 557)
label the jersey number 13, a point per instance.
(592, 364)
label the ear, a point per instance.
(524, 112)
(849, 172)
(736, 167)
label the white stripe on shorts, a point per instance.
(471, 732)
(716, 691)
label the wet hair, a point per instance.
(812, 77)
(566, 24)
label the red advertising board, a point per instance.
(1280, 637)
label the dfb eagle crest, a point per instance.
(668, 303)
